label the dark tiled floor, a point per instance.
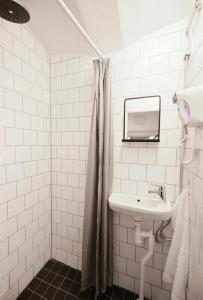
(59, 282)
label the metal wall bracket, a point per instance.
(187, 57)
(198, 4)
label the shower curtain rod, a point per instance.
(81, 29)
(197, 7)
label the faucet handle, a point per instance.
(161, 191)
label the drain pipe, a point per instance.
(139, 239)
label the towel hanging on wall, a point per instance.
(177, 263)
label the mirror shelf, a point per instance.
(141, 121)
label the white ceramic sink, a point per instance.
(140, 207)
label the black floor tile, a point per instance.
(72, 274)
(42, 288)
(129, 296)
(70, 297)
(50, 293)
(118, 293)
(34, 284)
(42, 274)
(50, 264)
(84, 295)
(109, 291)
(57, 281)
(35, 297)
(64, 271)
(92, 294)
(66, 284)
(104, 297)
(25, 295)
(50, 277)
(60, 295)
(56, 268)
(74, 289)
(78, 277)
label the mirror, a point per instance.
(142, 119)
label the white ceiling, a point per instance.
(112, 24)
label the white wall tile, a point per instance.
(8, 191)
(7, 79)
(15, 172)
(139, 70)
(137, 172)
(127, 251)
(126, 282)
(13, 100)
(149, 47)
(147, 155)
(16, 240)
(119, 264)
(8, 228)
(170, 42)
(172, 175)
(9, 263)
(20, 50)
(129, 155)
(156, 174)
(15, 206)
(12, 63)
(6, 39)
(24, 72)
(166, 157)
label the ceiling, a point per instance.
(112, 24)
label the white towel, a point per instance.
(177, 263)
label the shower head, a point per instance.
(13, 12)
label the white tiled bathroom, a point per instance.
(46, 116)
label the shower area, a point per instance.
(47, 100)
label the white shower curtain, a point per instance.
(97, 230)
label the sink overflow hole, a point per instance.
(138, 200)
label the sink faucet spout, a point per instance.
(160, 191)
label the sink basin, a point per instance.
(140, 207)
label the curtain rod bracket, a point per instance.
(187, 57)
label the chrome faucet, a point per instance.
(161, 191)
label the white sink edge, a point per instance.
(161, 212)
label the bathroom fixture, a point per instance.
(141, 121)
(13, 12)
(160, 191)
(159, 235)
(140, 236)
(140, 207)
(187, 57)
(81, 29)
(189, 101)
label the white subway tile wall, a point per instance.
(25, 193)
(193, 173)
(147, 67)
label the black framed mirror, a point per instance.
(141, 120)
